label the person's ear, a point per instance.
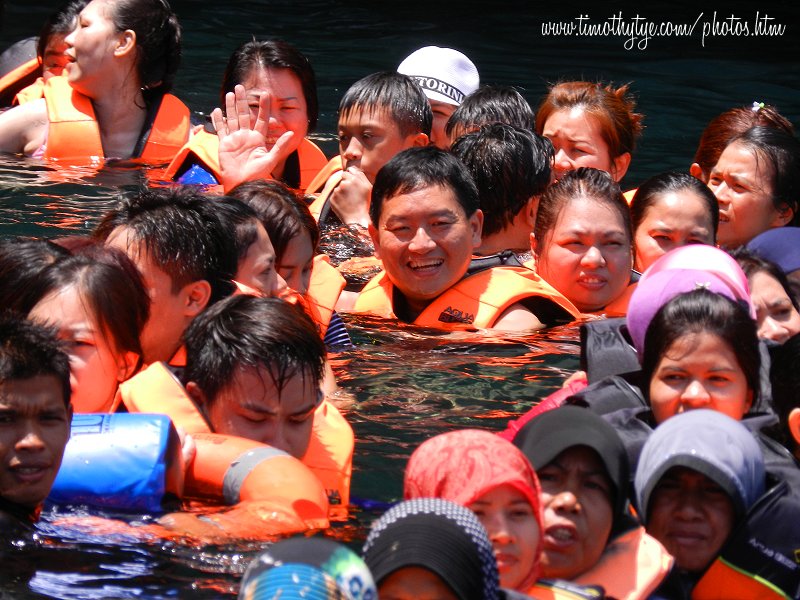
(697, 172)
(530, 212)
(794, 424)
(373, 234)
(620, 166)
(196, 294)
(534, 247)
(69, 420)
(126, 365)
(196, 394)
(476, 224)
(420, 139)
(126, 43)
(783, 216)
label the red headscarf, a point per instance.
(461, 466)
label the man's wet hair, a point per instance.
(28, 350)
(244, 332)
(487, 105)
(510, 166)
(418, 168)
(399, 95)
(183, 234)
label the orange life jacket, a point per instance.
(321, 178)
(329, 454)
(17, 79)
(631, 567)
(203, 148)
(477, 300)
(34, 91)
(74, 136)
(330, 176)
(324, 289)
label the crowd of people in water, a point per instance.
(667, 467)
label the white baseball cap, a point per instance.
(444, 74)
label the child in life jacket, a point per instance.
(379, 116)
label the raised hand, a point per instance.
(245, 151)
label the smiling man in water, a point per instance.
(35, 416)
(426, 225)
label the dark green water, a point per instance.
(407, 385)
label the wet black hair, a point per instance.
(672, 182)
(703, 311)
(781, 151)
(28, 350)
(182, 233)
(242, 220)
(582, 182)
(22, 261)
(399, 95)
(158, 42)
(61, 22)
(281, 211)
(490, 104)
(417, 168)
(275, 54)
(251, 332)
(751, 263)
(509, 166)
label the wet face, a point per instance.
(441, 114)
(743, 187)
(96, 367)
(675, 219)
(161, 335)
(576, 495)
(691, 516)
(578, 142)
(510, 521)
(288, 110)
(414, 583)
(368, 139)
(426, 241)
(587, 255)
(699, 370)
(251, 406)
(777, 318)
(34, 428)
(91, 48)
(257, 268)
(297, 262)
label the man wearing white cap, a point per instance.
(446, 76)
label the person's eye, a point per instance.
(673, 377)
(715, 180)
(53, 417)
(520, 514)
(302, 418)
